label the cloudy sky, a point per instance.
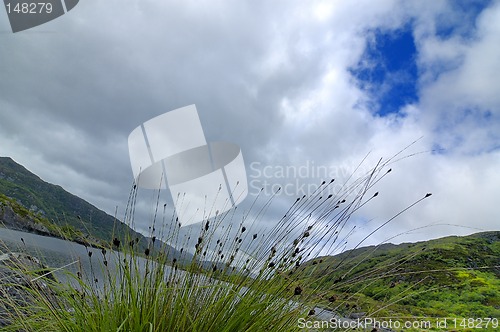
(311, 84)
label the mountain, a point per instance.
(56, 204)
(30, 204)
(448, 277)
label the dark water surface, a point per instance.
(57, 253)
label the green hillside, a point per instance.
(448, 277)
(54, 211)
(53, 202)
(48, 209)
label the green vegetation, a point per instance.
(229, 275)
(54, 205)
(150, 296)
(26, 218)
(449, 277)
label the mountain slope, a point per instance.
(53, 202)
(452, 276)
(30, 204)
(34, 205)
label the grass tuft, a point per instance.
(228, 273)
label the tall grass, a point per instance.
(227, 274)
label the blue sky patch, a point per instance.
(463, 20)
(388, 70)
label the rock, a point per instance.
(18, 276)
(10, 219)
(357, 315)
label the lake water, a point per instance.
(56, 253)
(51, 251)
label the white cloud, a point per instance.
(271, 77)
(462, 103)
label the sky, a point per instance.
(299, 85)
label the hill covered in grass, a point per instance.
(53, 202)
(447, 277)
(30, 204)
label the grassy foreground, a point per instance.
(239, 277)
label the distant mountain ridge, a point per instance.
(55, 203)
(486, 247)
(446, 277)
(33, 205)
(30, 204)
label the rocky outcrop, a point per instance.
(18, 279)
(17, 217)
(10, 219)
